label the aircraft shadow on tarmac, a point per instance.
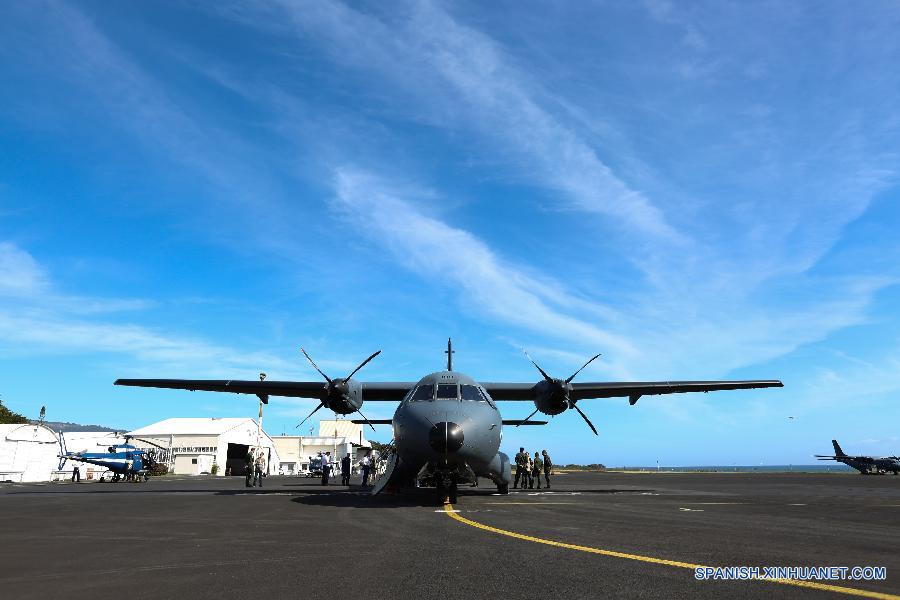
(360, 498)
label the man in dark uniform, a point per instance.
(345, 470)
(547, 467)
(537, 466)
(249, 467)
(76, 474)
(521, 469)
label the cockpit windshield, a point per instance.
(470, 392)
(447, 391)
(423, 392)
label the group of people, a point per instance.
(255, 464)
(365, 466)
(528, 469)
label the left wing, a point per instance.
(372, 392)
(627, 389)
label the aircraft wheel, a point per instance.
(454, 492)
(503, 488)
(115, 478)
(442, 491)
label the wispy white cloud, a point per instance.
(469, 80)
(436, 250)
(36, 319)
(19, 272)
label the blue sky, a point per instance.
(696, 190)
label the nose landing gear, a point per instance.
(447, 490)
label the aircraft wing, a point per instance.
(627, 389)
(392, 391)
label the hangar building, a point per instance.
(28, 452)
(207, 445)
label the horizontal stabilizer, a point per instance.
(372, 421)
(517, 422)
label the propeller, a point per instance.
(336, 388)
(563, 387)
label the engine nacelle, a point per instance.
(552, 397)
(344, 396)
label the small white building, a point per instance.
(340, 437)
(206, 445)
(28, 452)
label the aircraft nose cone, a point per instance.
(446, 437)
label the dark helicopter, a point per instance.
(447, 428)
(123, 460)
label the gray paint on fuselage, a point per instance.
(479, 420)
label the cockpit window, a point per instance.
(447, 390)
(423, 392)
(470, 392)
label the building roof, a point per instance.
(27, 432)
(192, 426)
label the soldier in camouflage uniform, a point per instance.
(521, 469)
(537, 467)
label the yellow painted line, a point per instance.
(448, 508)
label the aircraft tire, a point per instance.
(453, 492)
(503, 488)
(442, 492)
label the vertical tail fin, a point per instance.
(837, 448)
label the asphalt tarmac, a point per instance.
(592, 535)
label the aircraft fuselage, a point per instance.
(448, 428)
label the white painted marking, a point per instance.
(690, 509)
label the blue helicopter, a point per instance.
(123, 460)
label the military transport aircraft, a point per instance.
(864, 464)
(447, 428)
(124, 460)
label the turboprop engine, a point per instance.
(343, 395)
(553, 396)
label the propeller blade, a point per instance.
(366, 420)
(321, 404)
(361, 365)
(586, 420)
(543, 372)
(528, 417)
(571, 377)
(316, 367)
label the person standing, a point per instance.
(366, 465)
(260, 469)
(548, 467)
(326, 467)
(345, 470)
(249, 466)
(521, 465)
(529, 467)
(538, 465)
(76, 474)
